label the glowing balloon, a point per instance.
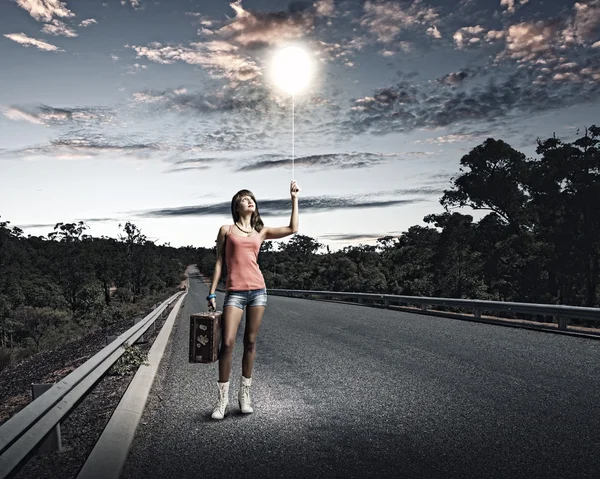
(292, 69)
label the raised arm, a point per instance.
(283, 231)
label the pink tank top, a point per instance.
(241, 255)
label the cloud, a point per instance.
(79, 148)
(45, 10)
(549, 39)
(270, 208)
(87, 23)
(49, 116)
(254, 30)
(102, 145)
(407, 105)
(584, 25)
(528, 41)
(494, 35)
(510, 5)
(16, 114)
(319, 162)
(135, 68)
(421, 190)
(204, 23)
(246, 117)
(56, 27)
(468, 35)
(255, 100)
(219, 58)
(454, 78)
(387, 19)
(134, 3)
(392, 102)
(188, 168)
(26, 41)
(353, 161)
(325, 8)
(419, 154)
(195, 164)
(340, 51)
(439, 180)
(356, 237)
(434, 32)
(454, 138)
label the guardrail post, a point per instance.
(142, 339)
(386, 303)
(423, 307)
(53, 441)
(477, 313)
(562, 323)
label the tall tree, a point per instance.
(493, 182)
(75, 267)
(133, 241)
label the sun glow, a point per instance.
(291, 69)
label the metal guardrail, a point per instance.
(20, 435)
(562, 312)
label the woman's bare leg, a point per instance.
(231, 318)
(254, 315)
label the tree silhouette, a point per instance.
(494, 182)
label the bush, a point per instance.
(130, 361)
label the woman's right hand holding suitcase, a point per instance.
(212, 302)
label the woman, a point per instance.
(239, 244)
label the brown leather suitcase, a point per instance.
(205, 336)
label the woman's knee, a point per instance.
(227, 346)
(250, 344)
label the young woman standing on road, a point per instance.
(240, 243)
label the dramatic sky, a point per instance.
(157, 112)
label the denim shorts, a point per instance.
(251, 297)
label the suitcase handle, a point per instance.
(211, 309)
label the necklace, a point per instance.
(247, 232)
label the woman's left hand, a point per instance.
(294, 189)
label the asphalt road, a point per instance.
(350, 391)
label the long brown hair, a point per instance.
(255, 221)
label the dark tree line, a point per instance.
(539, 241)
(56, 287)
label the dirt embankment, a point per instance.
(81, 429)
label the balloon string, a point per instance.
(293, 151)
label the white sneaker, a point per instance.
(219, 410)
(244, 395)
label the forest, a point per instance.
(538, 242)
(64, 286)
